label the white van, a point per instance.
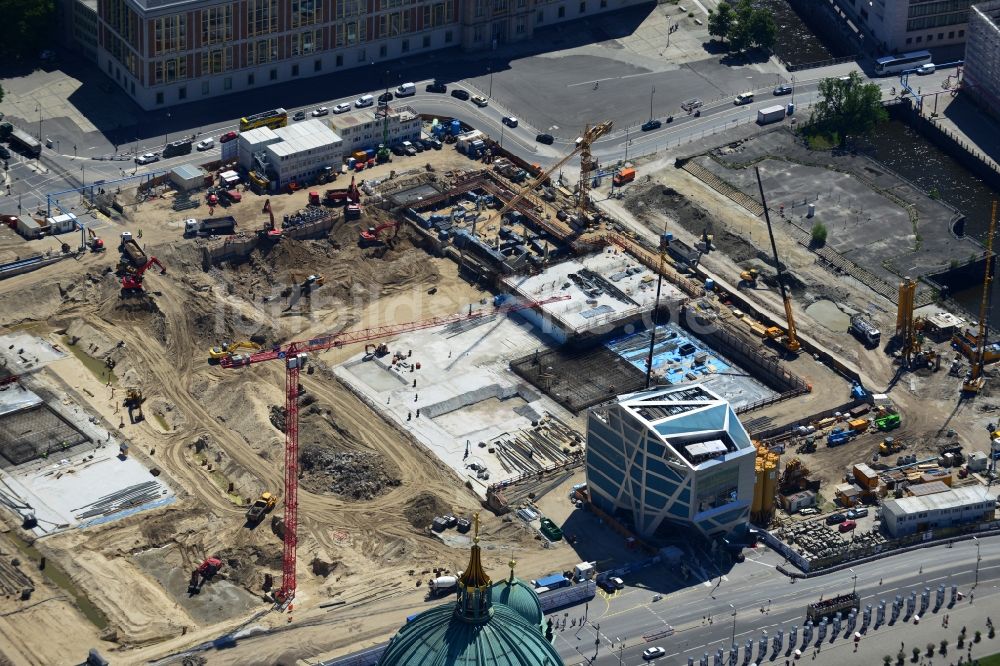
(406, 90)
(364, 100)
(743, 98)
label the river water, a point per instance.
(904, 151)
(796, 42)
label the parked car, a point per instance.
(436, 144)
(927, 68)
(409, 149)
(808, 511)
(321, 111)
(847, 526)
(206, 144)
(436, 87)
(385, 97)
(480, 101)
(299, 115)
(653, 653)
(509, 121)
(835, 518)
(419, 147)
(783, 89)
(617, 582)
(547, 139)
(148, 158)
(650, 125)
(860, 512)
(428, 145)
(458, 93)
(606, 585)
(743, 98)
(397, 149)
(228, 136)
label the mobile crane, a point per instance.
(294, 355)
(975, 380)
(789, 340)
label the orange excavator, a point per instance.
(270, 230)
(372, 235)
(205, 571)
(132, 282)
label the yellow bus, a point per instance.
(274, 119)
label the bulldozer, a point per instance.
(890, 445)
(260, 508)
(748, 279)
(133, 401)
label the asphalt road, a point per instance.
(548, 94)
(755, 584)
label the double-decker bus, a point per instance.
(274, 119)
(897, 63)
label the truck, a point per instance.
(839, 436)
(623, 176)
(260, 508)
(443, 585)
(131, 251)
(212, 226)
(179, 147)
(830, 607)
(21, 139)
(865, 330)
(771, 114)
(552, 581)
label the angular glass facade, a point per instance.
(671, 459)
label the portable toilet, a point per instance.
(456, 128)
(790, 109)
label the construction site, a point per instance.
(293, 409)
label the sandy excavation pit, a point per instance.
(212, 433)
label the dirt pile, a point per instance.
(422, 509)
(359, 475)
(246, 565)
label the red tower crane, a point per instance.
(294, 355)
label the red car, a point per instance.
(228, 136)
(847, 526)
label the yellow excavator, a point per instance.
(227, 349)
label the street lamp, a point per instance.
(166, 135)
(978, 558)
(502, 127)
(733, 639)
(651, 92)
(854, 589)
(793, 89)
(490, 68)
(38, 107)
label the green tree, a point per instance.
(819, 234)
(27, 24)
(762, 31)
(720, 22)
(848, 107)
(739, 32)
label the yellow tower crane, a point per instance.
(583, 143)
(975, 380)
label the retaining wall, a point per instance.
(238, 247)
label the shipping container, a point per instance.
(771, 114)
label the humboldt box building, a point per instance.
(670, 459)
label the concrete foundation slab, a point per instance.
(463, 403)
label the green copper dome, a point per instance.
(488, 625)
(440, 637)
(520, 598)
